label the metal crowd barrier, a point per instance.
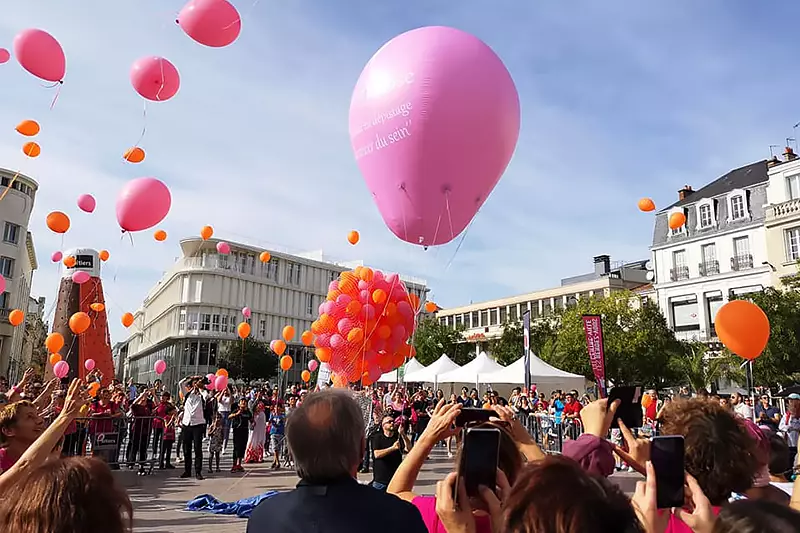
(550, 431)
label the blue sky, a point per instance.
(620, 99)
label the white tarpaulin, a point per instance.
(473, 372)
(431, 373)
(541, 374)
(391, 377)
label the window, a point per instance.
(222, 261)
(492, 317)
(512, 313)
(459, 320)
(233, 324)
(293, 273)
(270, 269)
(212, 354)
(309, 304)
(224, 323)
(705, 217)
(685, 317)
(742, 258)
(198, 289)
(793, 187)
(7, 267)
(4, 300)
(262, 328)
(484, 318)
(203, 359)
(11, 233)
(792, 244)
(710, 265)
(737, 207)
(185, 289)
(205, 322)
(547, 307)
(182, 320)
(680, 269)
(215, 323)
(192, 321)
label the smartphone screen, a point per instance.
(479, 457)
(666, 454)
(630, 406)
(469, 415)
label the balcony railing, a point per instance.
(4, 315)
(708, 268)
(783, 209)
(679, 273)
(741, 262)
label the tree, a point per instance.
(700, 370)
(248, 359)
(780, 362)
(509, 346)
(432, 339)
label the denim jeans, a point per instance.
(379, 486)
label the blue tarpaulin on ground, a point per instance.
(241, 508)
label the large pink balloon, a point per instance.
(4, 56)
(213, 23)
(142, 203)
(40, 54)
(155, 78)
(87, 203)
(434, 121)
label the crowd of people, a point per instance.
(55, 465)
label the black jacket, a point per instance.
(343, 506)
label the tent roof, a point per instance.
(411, 366)
(541, 372)
(473, 372)
(430, 373)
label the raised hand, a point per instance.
(76, 398)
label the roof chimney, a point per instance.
(683, 193)
(789, 154)
(602, 265)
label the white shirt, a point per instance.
(790, 425)
(192, 407)
(224, 404)
(744, 411)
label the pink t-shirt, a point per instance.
(5, 461)
(676, 525)
(427, 508)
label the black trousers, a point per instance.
(193, 438)
(158, 437)
(165, 457)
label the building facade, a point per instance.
(783, 216)
(719, 252)
(484, 321)
(17, 263)
(192, 313)
(34, 351)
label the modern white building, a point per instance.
(484, 320)
(193, 311)
(720, 252)
(783, 216)
(17, 263)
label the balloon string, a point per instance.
(460, 242)
(247, 14)
(144, 124)
(8, 188)
(55, 98)
(449, 215)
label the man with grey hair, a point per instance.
(326, 437)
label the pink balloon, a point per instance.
(40, 54)
(142, 203)
(434, 121)
(80, 277)
(374, 373)
(4, 56)
(246, 312)
(224, 248)
(363, 285)
(211, 377)
(333, 286)
(323, 340)
(61, 369)
(2, 284)
(344, 326)
(272, 345)
(221, 383)
(55, 257)
(337, 341)
(214, 23)
(312, 365)
(155, 78)
(89, 364)
(86, 202)
(160, 366)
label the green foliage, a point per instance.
(780, 362)
(432, 339)
(249, 360)
(700, 369)
(509, 346)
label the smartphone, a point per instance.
(479, 457)
(666, 454)
(469, 415)
(630, 406)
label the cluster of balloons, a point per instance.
(54, 343)
(218, 381)
(364, 325)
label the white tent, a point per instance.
(431, 373)
(541, 374)
(473, 372)
(411, 366)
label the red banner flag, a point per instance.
(593, 327)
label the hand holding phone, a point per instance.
(470, 415)
(479, 460)
(630, 406)
(667, 458)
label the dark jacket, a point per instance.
(343, 506)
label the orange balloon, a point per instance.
(58, 222)
(54, 342)
(353, 308)
(305, 375)
(31, 149)
(646, 399)
(279, 347)
(646, 204)
(430, 307)
(676, 220)
(69, 261)
(28, 128)
(288, 333)
(127, 319)
(264, 257)
(94, 388)
(307, 338)
(339, 382)
(79, 322)
(16, 317)
(323, 354)
(243, 329)
(356, 335)
(384, 332)
(103, 255)
(133, 155)
(98, 307)
(743, 328)
(379, 296)
(160, 235)
(206, 232)
(54, 358)
(222, 372)
(286, 362)
(353, 237)
(366, 274)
